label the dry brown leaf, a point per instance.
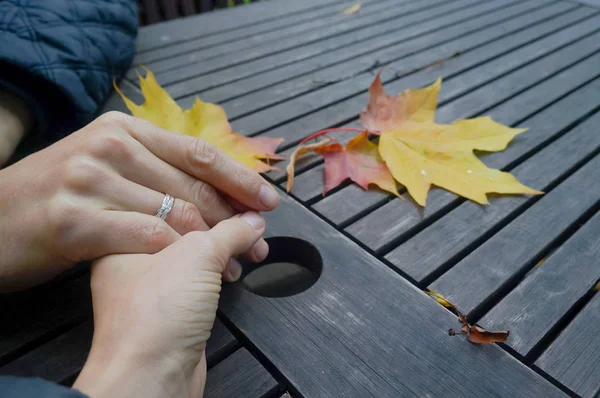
(479, 335)
(298, 153)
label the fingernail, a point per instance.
(260, 250)
(268, 197)
(233, 270)
(254, 219)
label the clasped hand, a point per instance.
(155, 283)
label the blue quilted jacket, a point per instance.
(61, 56)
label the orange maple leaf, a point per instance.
(203, 120)
(359, 161)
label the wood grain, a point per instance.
(295, 78)
(573, 357)
(448, 238)
(60, 360)
(482, 275)
(332, 340)
(167, 33)
(235, 34)
(240, 375)
(192, 63)
(348, 108)
(202, 75)
(259, 90)
(438, 199)
(285, 34)
(362, 76)
(220, 344)
(30, 317)
(538, 303)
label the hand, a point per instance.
(153, 313)
(15, 122)
(95, 193)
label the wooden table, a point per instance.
(286, 68)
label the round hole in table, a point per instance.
(292, 266)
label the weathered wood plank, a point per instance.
(184, 67)
(479, 100)
(276, 82)
(474, 77)
(283, 112)
(356, 204)
(593, 3)
(332, 341)
(342, 111)
(573, 357)
(60, 360)
(255, 30)
(210, 73)
(289, 34)
(428, 251)
(240, 375)
(330, 205)
(488, 72)
(220, 344)
(481, 276)
(437, 43)
(438, 198)
(538, 303)
(30, 316)
(167, 33)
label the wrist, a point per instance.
(110, 372)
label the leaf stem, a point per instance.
(337, 129)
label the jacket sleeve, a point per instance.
(61, 56)
(17, 387)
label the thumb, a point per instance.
(225, 240)
(238, 234)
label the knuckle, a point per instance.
(204, 195)
(83, 173)
(114, 119)
(202, 154)
(191, 220)
(112, 145)
(159, 234)
(63, 214)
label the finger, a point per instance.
(121, 194)
(205, 162)
(149, 171)
(130, 232)
(184, 217)
(233, 270)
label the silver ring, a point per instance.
(165, 207)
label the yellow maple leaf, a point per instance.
(203, 120)
(420, 152)
(351, 10)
